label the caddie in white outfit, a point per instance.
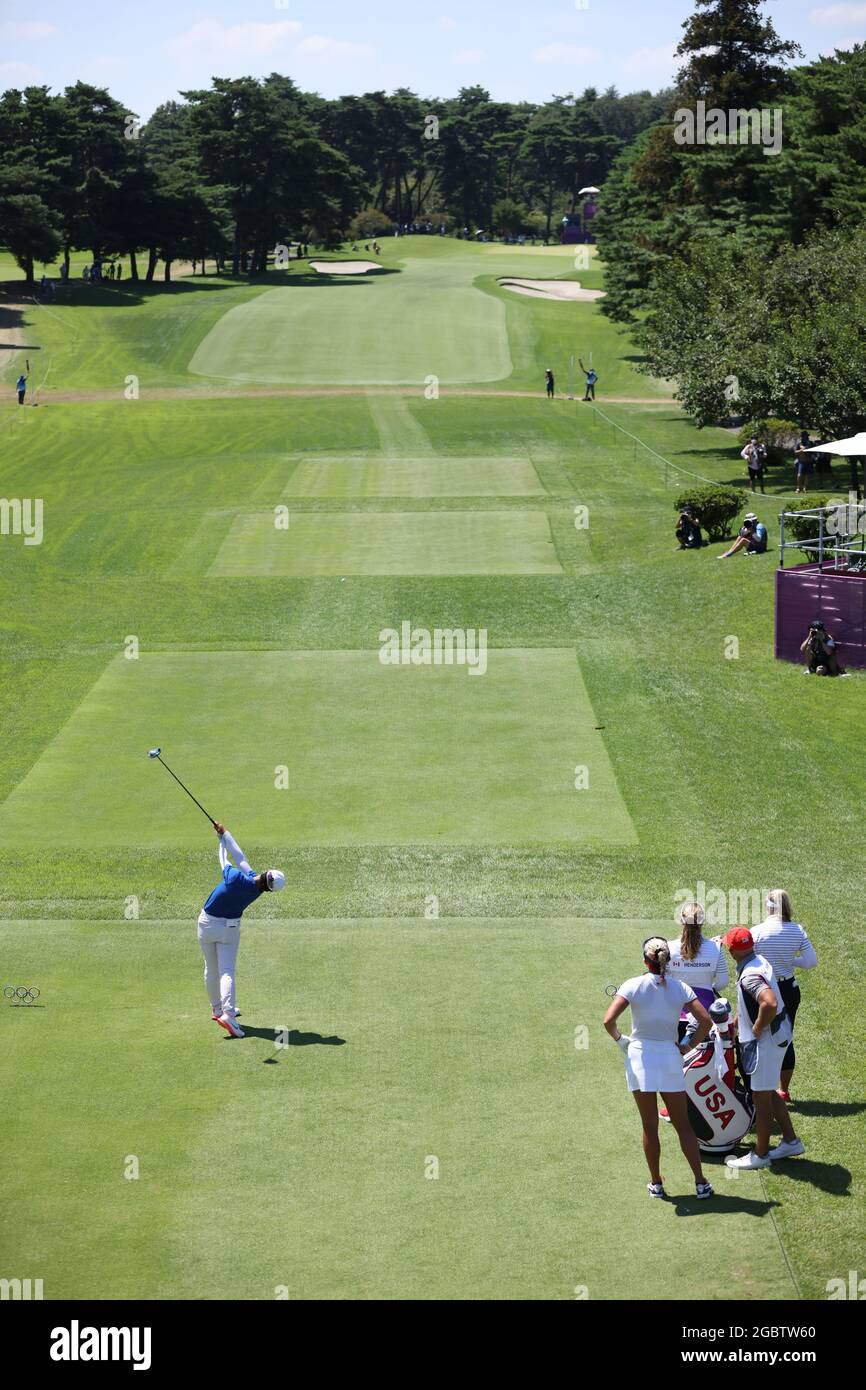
(653, 1058)
(763, 1034)
(219, 925)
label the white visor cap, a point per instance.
(276, 880)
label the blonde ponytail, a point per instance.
(657, 956)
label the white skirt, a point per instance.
(654, 1066)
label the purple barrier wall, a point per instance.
(804, 593)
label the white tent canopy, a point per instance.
(855, 447)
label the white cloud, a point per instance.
(337, 48)
(468, 55)
(446, 24)
(210, 38)
(661, 61)
(838, 14)
(15, 31)
(566, 53)
(21, 72)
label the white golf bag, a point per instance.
(721, 1109)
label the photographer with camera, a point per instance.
(688, 530)
(755, 455)
(751, 537)
(821, 647)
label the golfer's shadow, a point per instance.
(291, 1038)
(722, 1203)
(827, 1109)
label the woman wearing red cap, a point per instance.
(653, 1058)
(763, 1034)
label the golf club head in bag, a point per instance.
(721, 1109)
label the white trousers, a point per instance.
(219, 938)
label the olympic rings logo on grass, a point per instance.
(23, 992)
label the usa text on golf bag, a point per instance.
(721, 1110)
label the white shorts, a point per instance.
(768, 1073)
(654, 1066)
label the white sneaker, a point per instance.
(749, 1160)
(787, 1149)
(230, 1026)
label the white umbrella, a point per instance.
(847, 448)
(852, 448)
(589, 189)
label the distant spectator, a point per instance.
(120, 269)
(688, 529)
(822, 650)
(85, 274)
(591, 379)
(549, 383)
(755, 455)
(803, 464)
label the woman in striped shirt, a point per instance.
(787, 947)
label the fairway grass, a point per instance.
(354, 331)
(448, 1120)
(414, 477)
(631, 739)
(399, 543)
(373, 753)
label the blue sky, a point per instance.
(519, 49)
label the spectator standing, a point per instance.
(783, 942)
(755, 455)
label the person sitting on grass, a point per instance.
(752, 538)
(688, 529)
(822, 649)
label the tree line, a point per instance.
(741, 266)
(229, 171)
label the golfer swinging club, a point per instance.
(219, 925)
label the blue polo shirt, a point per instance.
(237, 890)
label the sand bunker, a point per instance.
(343, 267)
(551, 289)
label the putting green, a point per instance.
(409, 543)
(376, 754)
(431, 1131)
(380, 329)
(414, 477)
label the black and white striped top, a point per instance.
(785, 945)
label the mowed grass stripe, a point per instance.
(395, 543)
(414, 477)
(410, 1040)
(375, 754)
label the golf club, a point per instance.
(157, 754)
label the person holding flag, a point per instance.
(591, 379)
(21, 385)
